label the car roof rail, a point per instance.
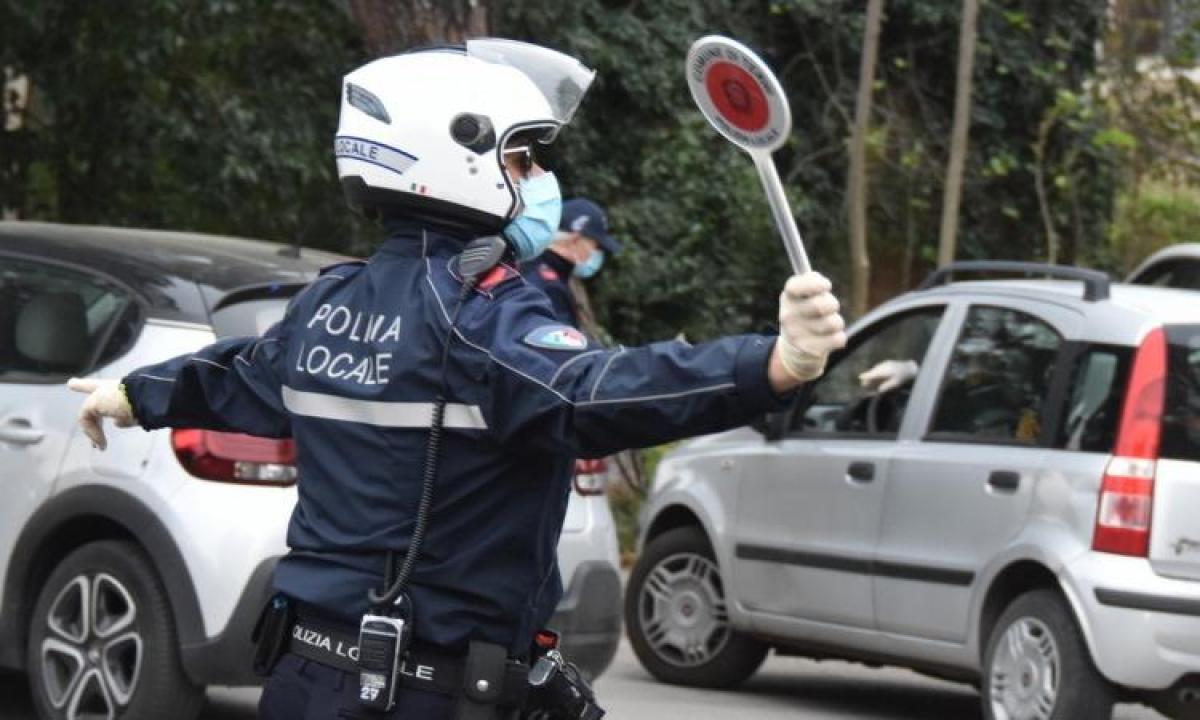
(1095, 283)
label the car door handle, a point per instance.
(1004, 480)
(863, 472)
(20, 432)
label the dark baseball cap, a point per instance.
(587, 218)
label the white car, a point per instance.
(131, 579)
(1175, 266)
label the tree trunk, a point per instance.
(860, 261)
(1039, 184)
(389, 27)
(958, 142)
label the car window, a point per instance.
(54, 321)
(998, 377)
(1181, 421)
(122, 334)
(250, 317)
(1093, 411)
(1183, 273)
(839, 403)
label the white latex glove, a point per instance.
(889, 375)
(106, 399)
(810, 326)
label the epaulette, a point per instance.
(496, 276)
(347, 263)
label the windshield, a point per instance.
(1182, 273)
(562, 79)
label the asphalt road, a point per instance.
(785, 688)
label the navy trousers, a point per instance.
(299, 689)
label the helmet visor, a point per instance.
(562, 79)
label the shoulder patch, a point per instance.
(557, 337)
(348, 264)
(497, 275)
(547, 273)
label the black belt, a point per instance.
(421, 669)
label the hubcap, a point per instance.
(92, 654)
(1026, 671)
(681, 609)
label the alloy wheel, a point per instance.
(1026, 671)
(91, 656)
(681, 608)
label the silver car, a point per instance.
(130, 579)
(1021, 511)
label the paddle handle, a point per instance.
(781, 211)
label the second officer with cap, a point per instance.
(580, 248)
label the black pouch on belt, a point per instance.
(482, 683)
(271, 634)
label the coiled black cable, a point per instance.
(480, 255)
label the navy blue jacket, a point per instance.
(351, 372)
(551, 272)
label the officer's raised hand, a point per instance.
(105, 398)
(810, 327)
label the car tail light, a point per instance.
(232, 457)
(1123, 518)
(590, 476)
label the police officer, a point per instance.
(438, 144)
(579, 249)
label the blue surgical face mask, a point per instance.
(591, 266)
(531, 232)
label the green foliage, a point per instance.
(626, 504)
(700, 245)
(1151, 113)
(217, 116)
(213, 116)
(703, 238)
(1148, 218)
(703, 257)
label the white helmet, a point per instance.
(423, 133)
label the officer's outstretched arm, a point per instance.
(611, 400)
(232, 385)
(550, 389)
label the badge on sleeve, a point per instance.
(557, 337)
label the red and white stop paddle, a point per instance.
(743, 100)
